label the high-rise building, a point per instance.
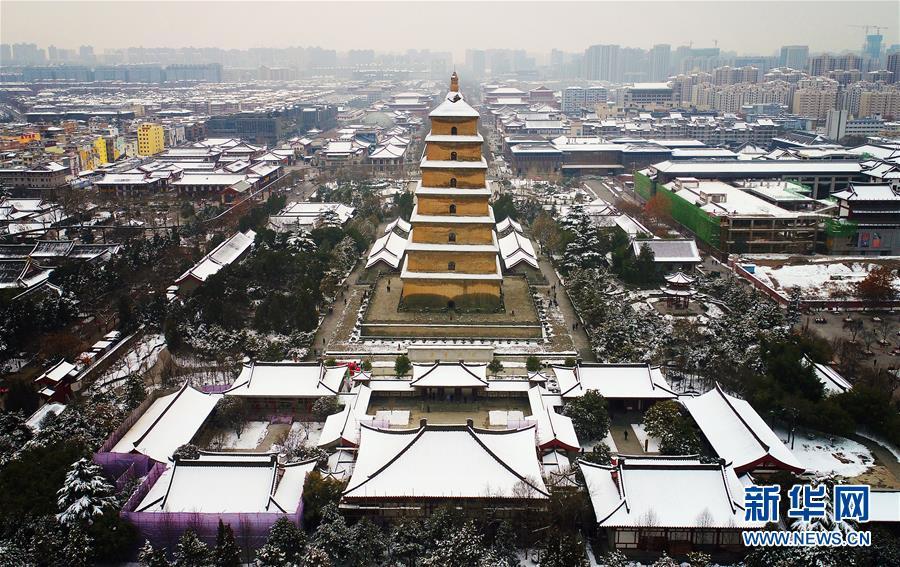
(452, 260)
(660, 57)
(794, 56)
(601, 63)
(872, 48)
(476, 61)
(574, 99)
(151, 139)
(883, 103)
(5, 54)
(86, 54)
(893, 65)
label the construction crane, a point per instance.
(867, 27)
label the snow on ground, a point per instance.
(610, 443)
(141, 357)
(310, 431)
(829, 455)
(642, 437)
(818, 279)
(253, 434)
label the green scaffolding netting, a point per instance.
(838, 227)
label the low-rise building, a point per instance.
(867, 223)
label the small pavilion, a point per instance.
(678, 290)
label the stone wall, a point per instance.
(474, 206)
(466, 262)
(465, 178)
(464, 126)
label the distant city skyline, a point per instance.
(342, 26)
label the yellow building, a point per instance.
(100, 151)
(452, 259)
(151, 139)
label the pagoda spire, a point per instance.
(454, 83)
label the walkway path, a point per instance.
(325, 333)
(629, 446)
(579, 337)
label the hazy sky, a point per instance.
(757, 27)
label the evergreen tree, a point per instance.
(562, 549)
(227, 552)
(407, 543)
(191, 552)
(504, 548)
(285, 545)
(334, 537)
(316, 557)
(369, 548)
(589, 415)
(85, 494)
(402, 365)
(150, 556)
(78, 551)
(135, 392)
(464, 548)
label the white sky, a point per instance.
(751, 27)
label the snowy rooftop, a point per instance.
(554, 430)
(868, 193)
(669, 250)
(388, 249)
(666, 492)
(287, 380)
(759, 167)
(250, 481)
(507, 223)
(830, 378)
(345, 424)
(221, 256)
(169, 422)
(56, 372)
(449, 375)
(398, 223)
(446, 462)
(453, 106)
(631, 381)
(737, 433)
(515, 249)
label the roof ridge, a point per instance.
(146, 432)
(390, 461)
(503, 463)
(737, 414)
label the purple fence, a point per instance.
(164, 528)
(214, 388)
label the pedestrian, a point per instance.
(626, 434)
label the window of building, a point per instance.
(451, 266)
(452, 182)
(452, 156)
(452, 209)
(451, 237)
(453, 131)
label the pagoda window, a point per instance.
(452, 209)
(452, 156)
(451, 266)
(453, 131)
(451, 237)
(452, 182)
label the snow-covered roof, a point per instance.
(169, 422)
(56, 372)
(453, 106)
(388, 151)
(758, 167)
(398, 223)
(446, 462)
(868, 193)
(830, 378)
(679, 277)
(35, 419)
(669, 250)
(287, 380)
(449, 375)
(388, 249)
(666, 492)
(344, 425)
(737, 433)
(515, 249)
(221, 256)
(554, 431)
(628, 381)
(508, 223)
(219, 483)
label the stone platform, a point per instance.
(519, 320)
